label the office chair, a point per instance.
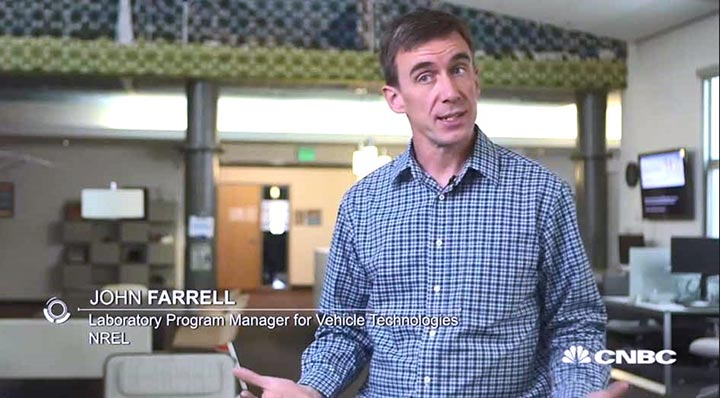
(169, 375)
(708, 347)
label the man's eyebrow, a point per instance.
(461, 57)
(421, 65)
(427, 64)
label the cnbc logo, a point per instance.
(579, 355)
(576, 354)
(56, 316)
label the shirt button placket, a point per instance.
(436, 290)
(434, 274)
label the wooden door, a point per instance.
(239, 238)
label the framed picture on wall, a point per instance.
(314, 217)
(311, 217)
(7, 199)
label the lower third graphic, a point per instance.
(51, 316)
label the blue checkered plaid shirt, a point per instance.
(498, 248)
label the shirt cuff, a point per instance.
(324, 379)
(578, 387)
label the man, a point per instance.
(455, 226)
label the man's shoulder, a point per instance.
(519, 169)
(375, 183)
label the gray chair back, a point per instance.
(169, 375)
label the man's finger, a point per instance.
(251, 377)
(247, 394)
(617, 389)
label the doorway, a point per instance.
(275, 225)
(239, 239)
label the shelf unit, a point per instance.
(97, 253)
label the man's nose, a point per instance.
(448, 88)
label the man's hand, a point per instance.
(274, 387)
(616, 390)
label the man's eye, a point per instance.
(424, 78)
(459, 70)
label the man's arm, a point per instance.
(573, 313)
(338, 353)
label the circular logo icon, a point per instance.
(51, 315)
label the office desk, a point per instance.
(666, 311)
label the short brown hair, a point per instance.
(414, 29)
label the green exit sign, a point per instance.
(306, 154)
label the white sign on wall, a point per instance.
(201, 227)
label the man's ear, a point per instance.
(394, 99)
(477, 79)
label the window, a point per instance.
(712, 176)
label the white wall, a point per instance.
(662, 109)
(30, 249)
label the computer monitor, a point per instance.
(689, 254)
(650, 278)
(625, 242)
(666, 185)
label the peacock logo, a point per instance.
(576, 354)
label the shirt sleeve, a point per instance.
(338, 353)
(573, 313)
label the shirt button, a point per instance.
(438, 242)
(433, 333)
(441, 197)
(436, 288)
(427, 380)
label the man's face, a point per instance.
(437, 90)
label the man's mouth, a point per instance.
(452, 116)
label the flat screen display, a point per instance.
(665, 185)
(662, 170)
(690, 254)
(113, 204)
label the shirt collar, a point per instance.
(483, 159)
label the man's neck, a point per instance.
(442, 162)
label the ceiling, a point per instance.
(623, 19)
